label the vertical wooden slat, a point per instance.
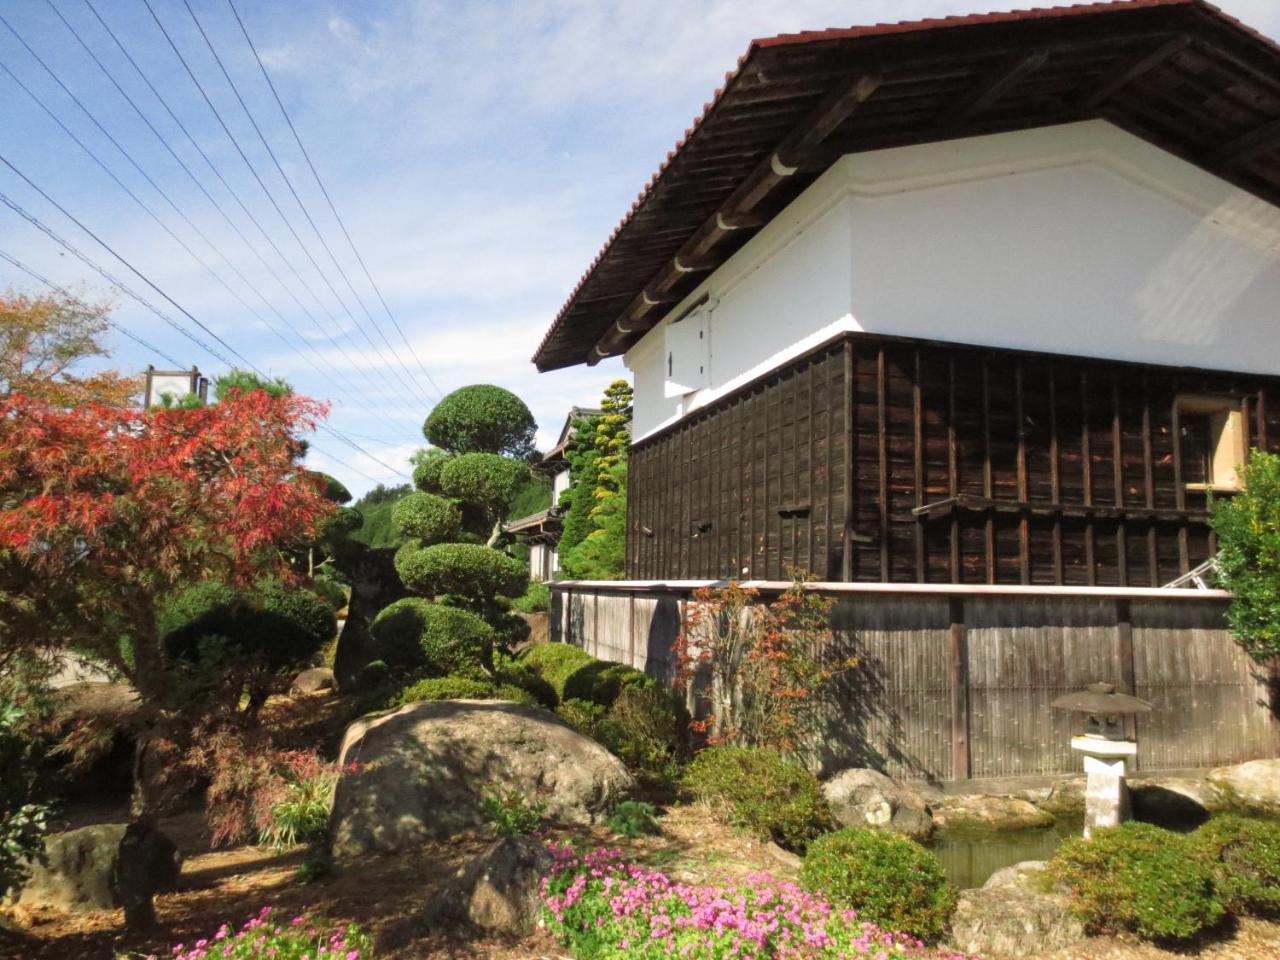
(1261, 411)
(989, 529)
(1180, 491)
(953, 468)
(1117, 478)
(882, 434)
(1024, 528)
(958, 680)
(850, 478)
(1055, 473)
(810, 561)
(917, 422)
(1124, 657)
(1149, 484)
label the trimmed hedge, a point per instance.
(426, 472)
(576, 675)
(1142, 878)
(284, 624)
(461, 688)
(1244, 855)
(508, 670)
(758, 790)
(427, 517)
(487, 480)
(537, 599)
(465, 569)
(481, 418)
(555, 662)
(889, 880)
(419, 635)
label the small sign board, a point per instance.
(174, 384)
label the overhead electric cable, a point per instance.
(266, 192)
(332, 208)
(35, 275)
(217, 172)
(124, 288)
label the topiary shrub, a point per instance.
(889, 880)
(601, 682)
(333, 591)
(1142, 878)
(461, 688)
(430, 518)
(555, 663)
(584, 717)
(416, 634)
(485, 480)
(758, 790)
(508, 670)
(646, 724)
(466, 570)
(284, 625)
(426, 469)
(481, 418)
(1244, 855)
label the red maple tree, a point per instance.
(104, 511)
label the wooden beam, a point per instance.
(738, 212)
(958, 682)
(986, 94)
(1241, 148)
(1132, 70)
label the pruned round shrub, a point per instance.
(508, 670)
(601, 682)
(429, 518)
(758, 790)
(537, 599)
(555, 662)
(283, 624)
(333, 592)
(485, 480)
(1142, 878)
(647, 723)
(465, 569)
(1244, 855)
(584, 717)
(416, 634)
(461, 688)
(345, 520)
(889, 880)
(426, 472)
(481, 418)
(335, 490)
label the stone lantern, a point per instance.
(1106, 749)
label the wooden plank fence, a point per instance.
(955, 682)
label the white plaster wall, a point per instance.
(1079, 239)
(560, 482)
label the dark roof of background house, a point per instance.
(1180, 74)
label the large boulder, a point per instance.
(313, 680)
(1065, 798)
(1255, 784)
(422, 771)
(983, 812)
(861, 797)
(1016, 914)
(497, 893)
(81, 869)
(1174, 801)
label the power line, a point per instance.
(334, 371)
(213, 167)
(76, 300)
(270, 197)
(124, 288)
(302, 206)
(332, 208)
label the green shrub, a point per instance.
(461, 688)
(426, 469)
(889, 880)
(23, 809)
(416, 634)
(373, 676)
(537, 599)
(481, 419)
(430, 518)
(510, 671)
(1142, 878)
(1244, 855)
(601, 682)
(466, 569)
(758, 790)
(486, 480)
(301, 813)
(286, 625)
(1248, 529)
(510, 813)
(509, 629)
(333, 591)
(584, 717)
(556, 662)
(633, 818)
(645, 724)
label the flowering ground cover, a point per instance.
(265, 937)
(603, 907)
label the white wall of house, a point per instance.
(1078, 239)
(559, 484)
(544, 561)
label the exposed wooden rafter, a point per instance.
(1242, 147)
(1128, 72)
(738, 212)
(985, 95)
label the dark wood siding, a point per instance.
(881, 459)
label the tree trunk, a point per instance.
(374, 585)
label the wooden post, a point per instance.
(1124, 661)
(631, 630)
(958, 678)
(850, 472)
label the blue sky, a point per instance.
(479, 153)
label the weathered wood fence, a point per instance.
(954, 682)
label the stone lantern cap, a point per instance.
(1101, 699)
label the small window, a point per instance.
(688, 354)
(1212, 441)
